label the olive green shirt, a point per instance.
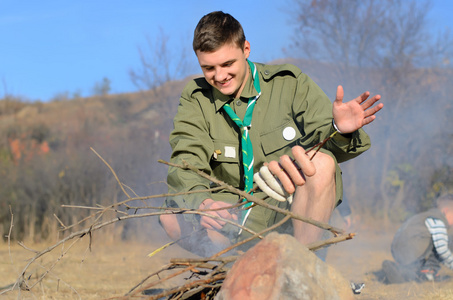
(292, 110)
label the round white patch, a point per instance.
(289, 133)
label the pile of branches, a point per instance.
(204, 276)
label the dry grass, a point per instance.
(111, 269)
(359, 258)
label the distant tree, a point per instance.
(102, 88)
(11, 105)
(390, 34)
(77, 94)
(160, 63)
(61, 96)
(388, 47)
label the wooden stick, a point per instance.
(254, 199)
(321, 244)
(320, 145)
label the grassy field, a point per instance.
(112, 268)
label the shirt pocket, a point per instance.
(282, 137)
(225, 161)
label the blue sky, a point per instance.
(52, 47)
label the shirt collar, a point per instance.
(248, 92)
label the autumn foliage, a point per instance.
(46, 159)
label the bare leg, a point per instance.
(315, 199)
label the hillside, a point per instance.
(46, 158)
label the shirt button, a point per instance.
(239, 103)
(266, 72)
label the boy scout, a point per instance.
(242, 116)
(420, 246)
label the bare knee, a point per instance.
(325, 169)
(324, 162)
(171, 226)
(320, 186)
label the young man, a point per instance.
(421, 244)
(242, 116)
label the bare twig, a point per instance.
(162, 280)
(199, 263)
(27, 248)
(286, 218)
(132, 199)
(59, 221)
(9, 233)
(163, 268)
(9, 287)
(256, 200)
(63, 253)
(320, 244)
(113, 172)
(215, 263)
(320, 145)
(226, 259)
(190, 285)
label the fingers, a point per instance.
(289, 173)
(354, 114)
(211, 223)
(373, 110)
(370, 102)
(303, 160)
(224, 213)
(293, 170)
(360, 99)
(340, 94)
(282, 176)
(369, 113)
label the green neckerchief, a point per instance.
(246, 144)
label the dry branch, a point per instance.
(256, 200)
(209, 272)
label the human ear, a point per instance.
(246, 49)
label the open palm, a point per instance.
(352, 115)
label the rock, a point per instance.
(279, 267)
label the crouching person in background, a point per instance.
(420, 245)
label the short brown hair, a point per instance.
(215, 30)
(445, 201)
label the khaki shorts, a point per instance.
(260, 217)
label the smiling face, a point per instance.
(226, 68)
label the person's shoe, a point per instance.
(392, 273)
(357, 287)
(426, 275)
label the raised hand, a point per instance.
(352, 115)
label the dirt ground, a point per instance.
(111, 269)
